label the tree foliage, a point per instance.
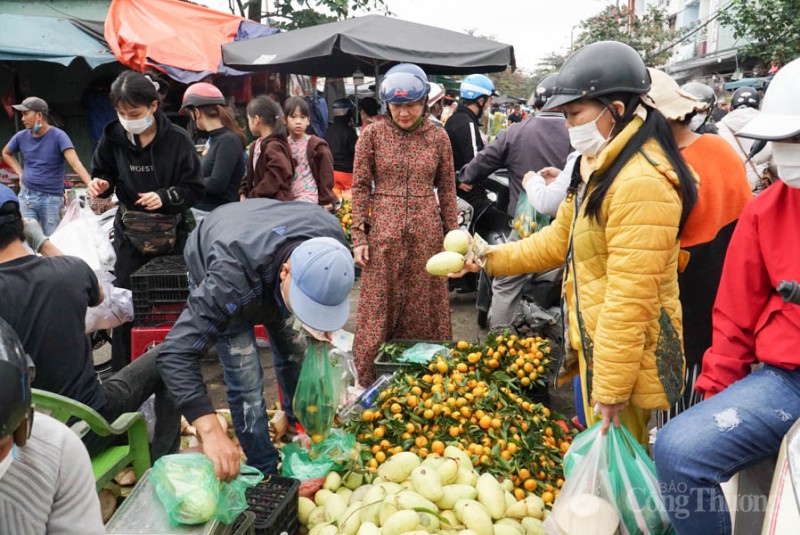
(293, 14)
(519, 83)
(649, 34)
(771, 26)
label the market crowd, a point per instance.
(673, 222)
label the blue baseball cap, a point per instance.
(8, 195)
(322, 275)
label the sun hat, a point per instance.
(667, 97)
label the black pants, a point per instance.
(129, 260)
(126, 391)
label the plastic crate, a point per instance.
(386, 365)
(274, 502)
(160, 289)
(243, 525)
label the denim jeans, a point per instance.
(244, 381)
(43, 207)
(712, 441)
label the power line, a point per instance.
(711, 19)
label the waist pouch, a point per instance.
(151, 234)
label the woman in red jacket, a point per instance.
(745, 415)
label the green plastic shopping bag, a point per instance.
(609, 478)
(315, 399)
(190, 492)
(527, 220)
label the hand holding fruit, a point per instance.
(470, 266)
(456, 245)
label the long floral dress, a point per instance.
(398, 298)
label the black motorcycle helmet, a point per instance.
(598, 69)
(745, 97)
(544, 90)
(702, 92)
(16, 376)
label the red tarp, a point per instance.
(152, 33)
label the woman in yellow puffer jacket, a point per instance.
(618, 230)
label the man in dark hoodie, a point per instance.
(538, 142)
(463, 128)
(153, 167)
(342, 138)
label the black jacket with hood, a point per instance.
(464, 132)
(234, 256)
(169, 165)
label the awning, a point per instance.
(52, 40)
(372, 43)
(709, 60)
(178, 38)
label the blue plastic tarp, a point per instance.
(52, 40)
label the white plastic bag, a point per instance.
(116, 308)
(611, 487)
(81, 234)
(585, 505)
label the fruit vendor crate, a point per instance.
(160, 289)
(274, 502)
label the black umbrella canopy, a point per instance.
(372, 44)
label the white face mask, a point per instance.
(787, 158)
(697, 121)
(587, 138)
(136, 126)
(5, 464)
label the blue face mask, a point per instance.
(36, 128)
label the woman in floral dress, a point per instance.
(401, 165)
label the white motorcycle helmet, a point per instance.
(779, 122)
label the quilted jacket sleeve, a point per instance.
(641, 233)
(541, 251)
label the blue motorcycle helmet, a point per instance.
(410, 68)
(476, 86)
(403, 88)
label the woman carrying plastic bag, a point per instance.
(611, 487)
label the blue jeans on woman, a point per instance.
(712, 441)
(244, 379)
(43, 207)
